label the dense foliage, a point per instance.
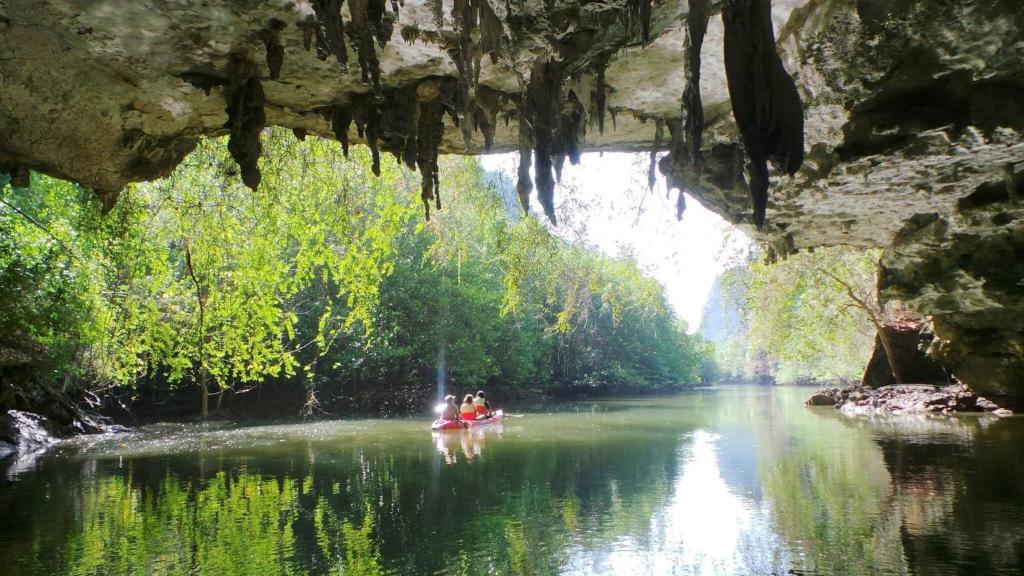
(794, 320)
(325, 286)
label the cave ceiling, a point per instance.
(888, 123)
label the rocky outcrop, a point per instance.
(24, 432)
(905, 399)
(912, 119)
(909, 342)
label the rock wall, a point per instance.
(909, 343)
(911, 126)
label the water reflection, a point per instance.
(465, 444)
(705, 528)
(743, 481)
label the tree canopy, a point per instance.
(325, 284)
(794, 320)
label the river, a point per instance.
(743, 481)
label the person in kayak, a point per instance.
(467, 409)
(451, 411)
(483, 407)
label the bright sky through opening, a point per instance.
(604, 202)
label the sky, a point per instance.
(609, 207)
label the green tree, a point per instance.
(811, 315)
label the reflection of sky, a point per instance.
(705, 529)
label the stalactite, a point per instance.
(569, 136)
(108, 198)
(461, 53)
(680, 204)
(679, 174)
(491, 31)
(765, 101)
(685, 158)
(341, 119)
(582, 87)
(370, 21)
(693, 108)
(659, 126)
(21, 176)
(406, 147)
(373, 121)
(410, 33)
(246, 118)
(275, 54)
(485, 114)
(600, 95)
(644, 16)
(308, 33)
(363, 33)
(637, 14)
(381, 23)
(524, 184)
(543, 102)
(430, 133)
(330, 32)
(558, 163)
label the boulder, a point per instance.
(822, 398)
(907, 399)
(24, 432)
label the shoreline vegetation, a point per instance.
(324, 292)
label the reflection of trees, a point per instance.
(945, 494)
(514, 508)
(833, 495)
(829, 490)
(960, 494)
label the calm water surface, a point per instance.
(742, 481)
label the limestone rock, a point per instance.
(822, 398)
(913, 122)
(907, 399)
(909, 341)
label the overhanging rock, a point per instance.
(912, 114)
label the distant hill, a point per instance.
(721, 319)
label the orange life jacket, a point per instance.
(468, 412)
(481, 405)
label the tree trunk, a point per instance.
(890, 354)
(204, 400)
(204, 391)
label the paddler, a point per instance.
(467, 409)
(451, 411)
(483, 407)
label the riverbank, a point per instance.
(905, 399)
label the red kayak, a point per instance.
(456, 424)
